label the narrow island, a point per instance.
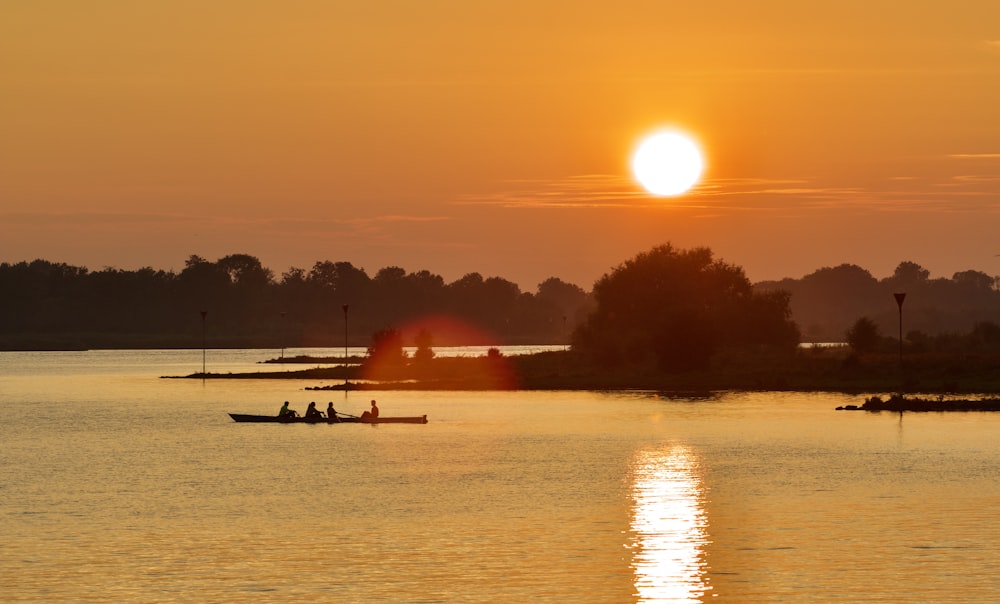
(900, 403)
(945, 385)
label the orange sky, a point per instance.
(458, 136)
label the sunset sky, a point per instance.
(495, 137)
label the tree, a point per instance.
(677, 308)
(973, 281)
(488, 303)
(425, 343)
(390, 274)
(827, 301)
(246, 271)
(863, 336)
(909, 276)
(386, 347)
(203, 286)
(567, 299)
(986, 334)
(560, 293)
(338, 276)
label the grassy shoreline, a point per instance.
(818, 369)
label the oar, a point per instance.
(337, 413)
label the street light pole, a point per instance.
(283, 313)
(899, 302)
(204, 313)
(345, 307)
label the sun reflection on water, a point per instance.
(669, 527)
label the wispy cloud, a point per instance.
(594, 190)
(125, 217)
(614, 191)
(94, 218)
(359, 223)
(977, 178)
(341, 227)
(608, 191)
(967, 192)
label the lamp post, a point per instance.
(283, 313)
(204, 314)
(345, 307)
(899, 302)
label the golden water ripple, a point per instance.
(669, 526)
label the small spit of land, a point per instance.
(899, 402)
(834, 369)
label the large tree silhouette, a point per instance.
(677, 308)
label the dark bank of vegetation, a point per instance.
(54, 306)
(827, 302)
(679, 320)
(900, 403)
(46, 305)
(830, 369)
(666, 319)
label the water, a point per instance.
(118, 486)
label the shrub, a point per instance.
(863, 336)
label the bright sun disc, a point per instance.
(667, 164)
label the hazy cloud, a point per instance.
(978, 178)
(713, 196)
(86, 218)
(366, 228)
(595, 190)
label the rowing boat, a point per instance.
(273, 419)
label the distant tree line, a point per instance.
(54, 305)
(866, 337)
(827, 303)
(669, 308)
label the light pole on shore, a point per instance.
(204, 314)
(283, 313)
(899, 302)
(345, 307)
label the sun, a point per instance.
(667, 163)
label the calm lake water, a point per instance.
(119, 486)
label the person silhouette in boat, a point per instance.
(331, 413)
(312, 412)
(286, 412)
(372, 414)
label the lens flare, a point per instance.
(471, 372)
